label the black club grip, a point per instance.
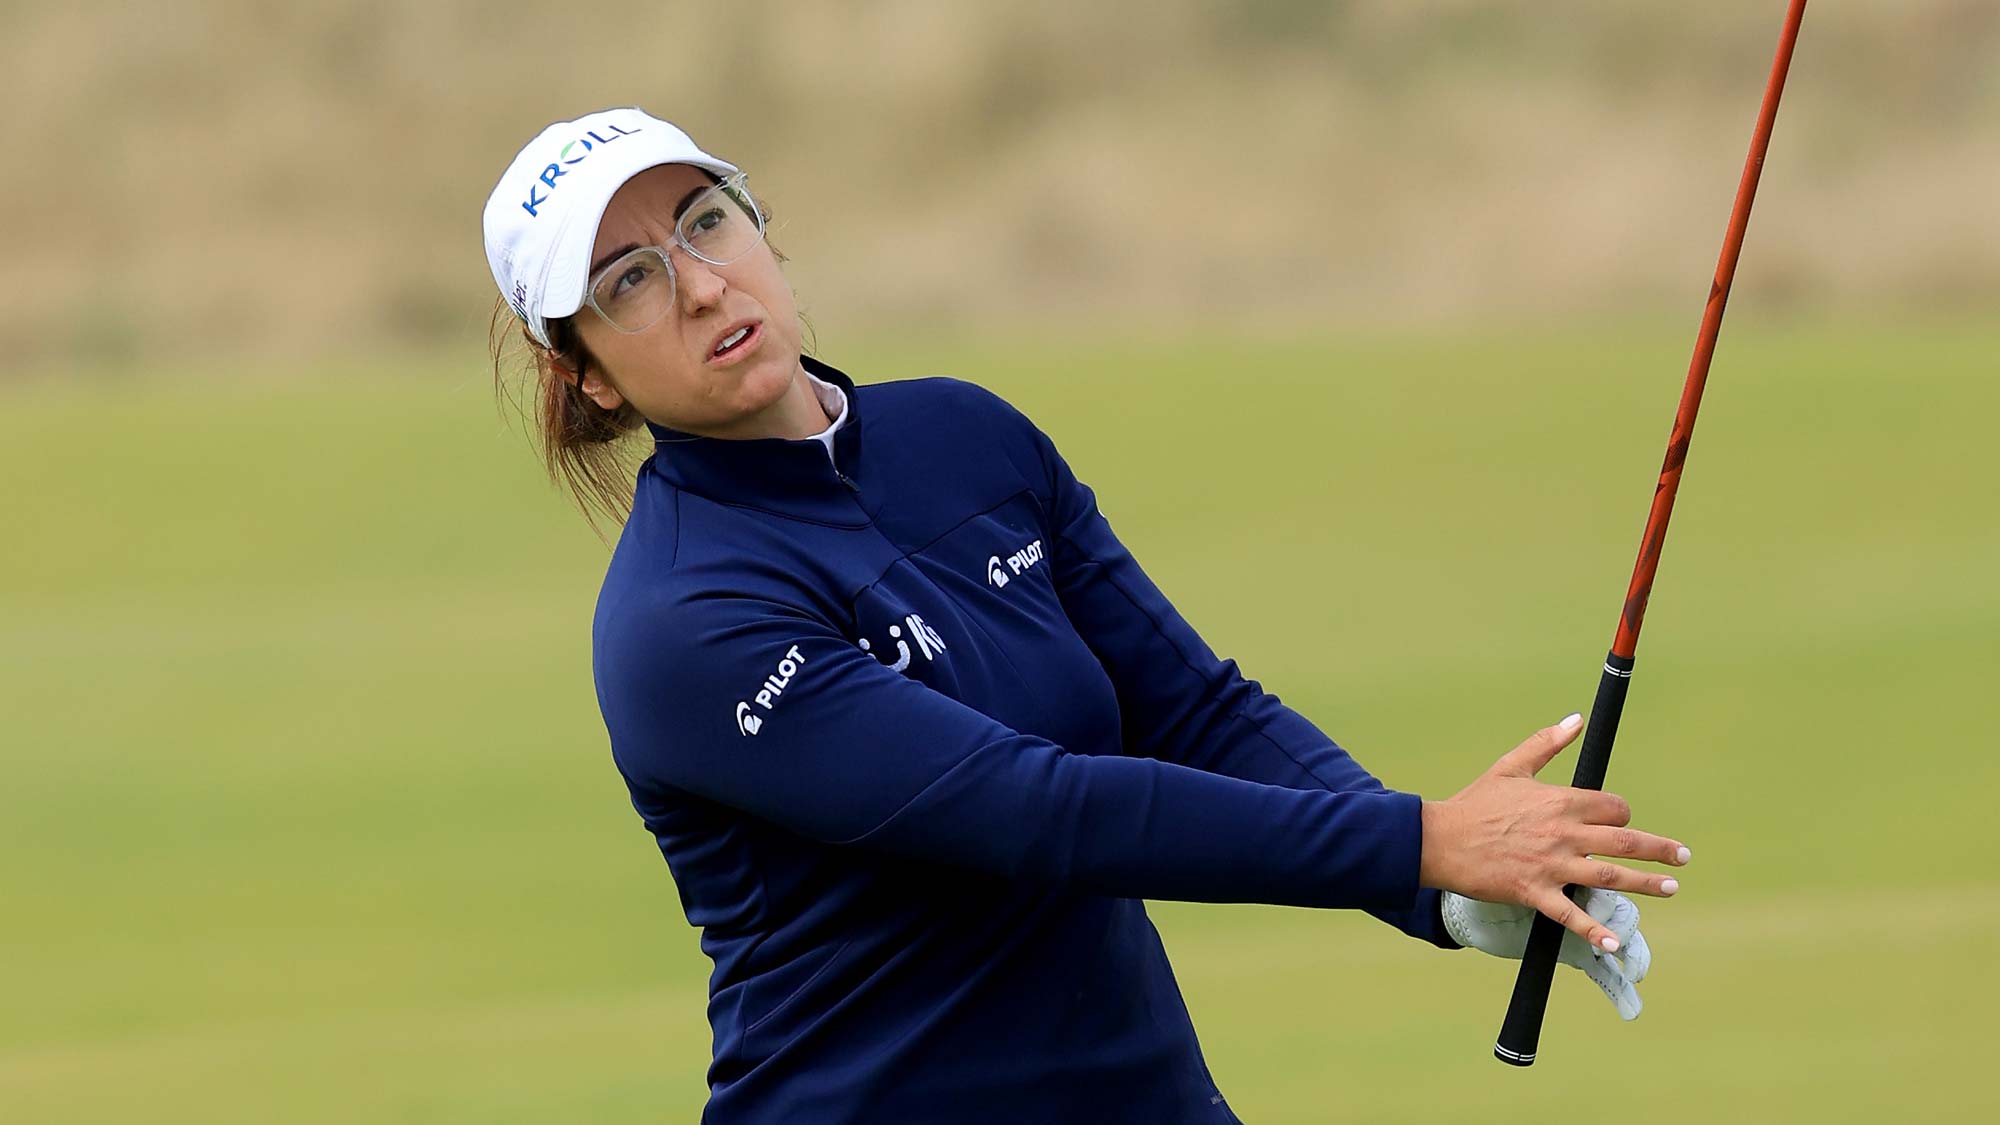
(1521, 1031)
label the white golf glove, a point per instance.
(1502, 930)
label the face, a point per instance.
(670, 371)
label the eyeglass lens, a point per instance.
(719, 226)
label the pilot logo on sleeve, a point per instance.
(749, 722)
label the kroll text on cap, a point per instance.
(541, 220)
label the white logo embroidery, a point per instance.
(1017, 562)
(767, 695)
(928, 642)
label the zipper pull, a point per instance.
(851, 486)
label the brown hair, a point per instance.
(582, 444)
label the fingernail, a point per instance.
(1670, 886)
(1683, 855)
(1610, 943)
(1571, 722)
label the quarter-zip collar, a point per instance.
(789, 476)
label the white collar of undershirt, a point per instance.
(834, 401)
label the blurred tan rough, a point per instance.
(210, 177)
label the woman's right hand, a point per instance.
(1510, 838)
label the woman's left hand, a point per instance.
(1502, 930)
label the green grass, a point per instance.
(308, 814)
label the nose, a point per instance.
(701, 287)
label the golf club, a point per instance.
(1521, 1031)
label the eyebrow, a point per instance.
(680, 208)
(612, 256)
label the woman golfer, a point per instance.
(914, 731)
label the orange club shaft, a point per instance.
(1654, 541)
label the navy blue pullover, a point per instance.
(916, 735)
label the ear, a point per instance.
(600, 392)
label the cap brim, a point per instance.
(569, 258)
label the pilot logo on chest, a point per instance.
(927, 639)
(997, 575)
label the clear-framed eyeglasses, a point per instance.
(718, 226)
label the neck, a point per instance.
(799, 413)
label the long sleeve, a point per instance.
(768, 709)
(1178, 702)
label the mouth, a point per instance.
(739, 341)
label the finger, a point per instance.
(1616, 984)
(1576, 920)
(1609, 909)
(1629, 843)
(1612, 877)
(1601, 808)
(1638, 957)
(1541, 747)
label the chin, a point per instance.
(754, 386)
(769, 377)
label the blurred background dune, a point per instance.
(203, 177)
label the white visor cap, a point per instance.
(541, 220)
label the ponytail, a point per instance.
(583, 445)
